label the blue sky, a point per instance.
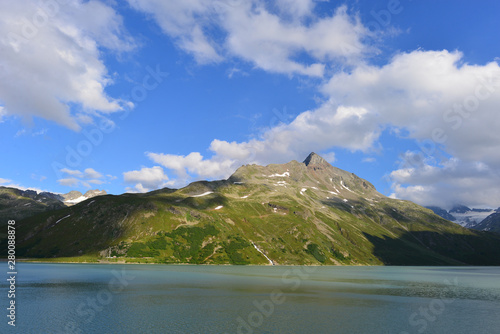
(138, 95)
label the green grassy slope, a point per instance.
(294, 213)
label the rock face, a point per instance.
(490, 223)
(294, 213)
(314, 159)
(74, 197)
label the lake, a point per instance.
(92, 298)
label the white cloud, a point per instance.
(434, 95)
(72, 172)
(450, 107)
(69, 182)
(86, 178)
(51, 58)
(145, 179)
(449, 183)
(91, 173)
(252, 32)
(296, 9)
(3, 181)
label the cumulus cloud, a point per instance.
(296, 9)
(91, 173)
(450, 108)
(51, 64)
(251, 30)
(75, 178)
(69, 182)
(449, 183)
(145, 179)
(435, 96)
(4, 181)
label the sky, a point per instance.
(137, 95)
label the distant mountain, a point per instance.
(293, 213)
(460, 209)
(442, 213)
(17, 204)
(490, 223)
(464, 216)
(74, 197)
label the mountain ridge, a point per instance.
(293, 213)
(18, 204)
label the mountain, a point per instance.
(17, 204)
(464, 216)
(74, 197)
(490, 223)
(442, 213)
(295, 213)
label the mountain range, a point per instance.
(478, 219)
(16, 204)
(295, 213)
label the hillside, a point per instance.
(17, 204)
(294, 213)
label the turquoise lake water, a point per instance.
(87, 298)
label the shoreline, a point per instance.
(243, 265)
(193, 264)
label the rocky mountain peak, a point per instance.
(314, 159)
(95, 192)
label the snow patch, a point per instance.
(285, 174)
(219, 207)
(204, 194)
(238, 182)
(343, 185)
(246, 196)
(61, 219)
(76, 200)
(344, 200)
(27, 204)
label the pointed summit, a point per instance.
(314, 159)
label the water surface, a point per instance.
(87, 298)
